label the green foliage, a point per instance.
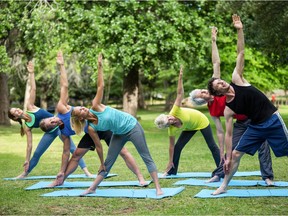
(153, 37)
(4, 60)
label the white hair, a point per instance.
(196, 100)
(161, 121)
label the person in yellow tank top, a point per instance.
(189, 121)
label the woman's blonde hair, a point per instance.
(77, 124)
(161, 121)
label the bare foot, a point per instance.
(53, 184)
(22, 175)
(213, 179)
(86, 172)
(269, 182)
(88, 191)
(219, 191)
(159, 192)
(89, 175)
(142, 181)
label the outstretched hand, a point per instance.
(237, 21)
(60, 59)
(214, 32)
(100, 60)
(30, 67)
(227, 166)
(181, 70)
(26, 166)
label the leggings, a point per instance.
(263, 152)
(184, 138)
(44, 144)
(137, 137)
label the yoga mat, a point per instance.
(244, 193)
(205, 174)
(53, 177)
(124, 193)
(201, 182)
(80, 184)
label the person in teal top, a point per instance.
(32, 118)
(124, 127)
(72, 120)
(188, 121)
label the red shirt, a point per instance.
(217, 106)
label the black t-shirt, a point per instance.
(249, 101)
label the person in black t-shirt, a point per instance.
(243, 98)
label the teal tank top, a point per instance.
(117, 121)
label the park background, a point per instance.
(144, 43)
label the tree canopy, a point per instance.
(143, 42)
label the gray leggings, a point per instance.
(137, 137)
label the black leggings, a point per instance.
(184, 138)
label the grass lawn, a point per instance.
(14, 200)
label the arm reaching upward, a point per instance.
(239, 26)
(215, 54)
(62, 106)
(96, 103)
(32, 95)
(237, 76)
(180, 89)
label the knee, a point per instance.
(236, 155)
(77, 155)
(124, 153)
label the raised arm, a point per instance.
(240, 34)
(237, 76)
(62, 106)
(215, 54)
(31, 80)
(180, 89)
(97, 101)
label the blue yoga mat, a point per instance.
(244, 193)
(53, 177)
(201, 182)
(205, 174)
(80, 184)
(124, 193)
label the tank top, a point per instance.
(117, 121)
(36, 117)
(251, 102)
(65, 118)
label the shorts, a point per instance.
(87, 142)
(273, 130)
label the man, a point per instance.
(243, 98)
(216, 106)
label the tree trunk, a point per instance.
(4, 100)
(141, 96)
(130, 96)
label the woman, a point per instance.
(189, 121)
(124, 128)
(32, 118)
(70, 120)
